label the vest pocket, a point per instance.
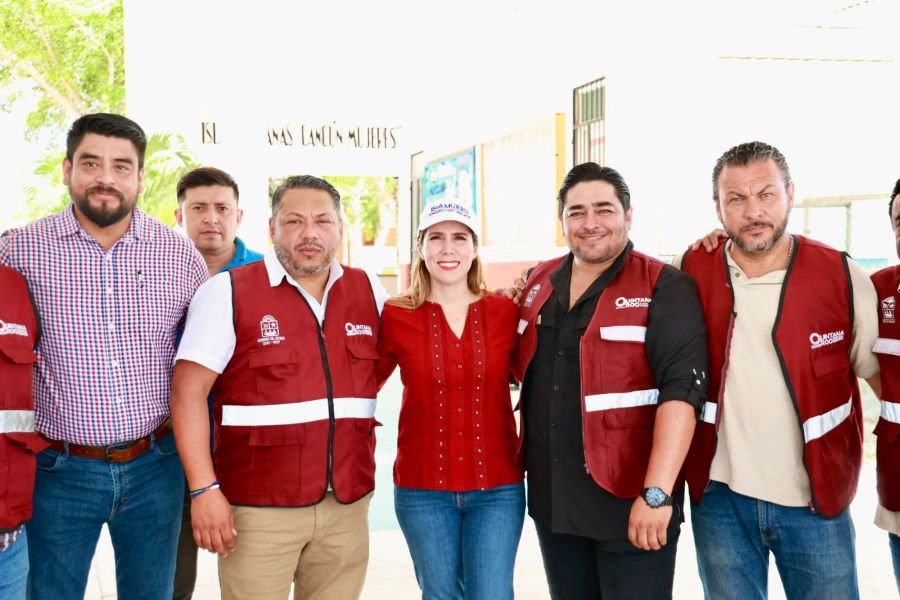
(832, 374)
(16, 476)
(276, 457)
(16, 363)
(622, 418)
(277, 374)
(830, 362)
(888, 459)
(362, 354)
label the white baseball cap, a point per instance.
(448, 211)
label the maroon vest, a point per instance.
(812, 335)
(18, 441)
(618, 392)
(294, 408)
(887, 285)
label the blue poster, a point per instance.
(451, 179)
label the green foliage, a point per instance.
(166, 160)
(362, 199)
(71, 54)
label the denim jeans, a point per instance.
(815, 556)
(140, 502)
(14, 569)
(463, 544)
(894, 541)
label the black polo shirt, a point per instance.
(562, 496)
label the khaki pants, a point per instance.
(322, 549)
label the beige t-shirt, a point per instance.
(887, 520)
(760, 447)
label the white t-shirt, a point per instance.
(209, 337)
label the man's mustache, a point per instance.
(102, 189)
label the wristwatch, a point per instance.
(655, 497)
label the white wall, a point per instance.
(452, 75)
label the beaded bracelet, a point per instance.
(213, 486)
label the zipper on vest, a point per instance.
(330, 396)
(329, 392)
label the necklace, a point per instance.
(787, 260)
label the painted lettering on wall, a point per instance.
(332, 135)
(208, 133)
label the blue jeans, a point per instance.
(14, 569)
(140, 502)
(463, 544)
(895, 556)
(816, 557)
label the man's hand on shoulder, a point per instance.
(515, 293)
(710, 241)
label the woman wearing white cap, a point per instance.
(459, 495)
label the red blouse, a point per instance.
(457, 431)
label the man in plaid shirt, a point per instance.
(112, 286)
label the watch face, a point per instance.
(655, 496)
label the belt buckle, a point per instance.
(108, 450)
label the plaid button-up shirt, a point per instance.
(108, 320)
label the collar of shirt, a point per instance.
(776, 276)
(242, 255)
(562, 277)
(139, 228)
(277, 274)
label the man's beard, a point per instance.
(296, 270)
(778, 230)
(102, 216)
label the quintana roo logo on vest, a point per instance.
(353, 330)
(268, 327)
(623, 302)
(888, 306)
(817, 340)
(12, 329)
(532, 294)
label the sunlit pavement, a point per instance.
(391, 577)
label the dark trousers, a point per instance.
(580, 568)
(186, 558)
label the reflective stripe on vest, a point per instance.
(624, 333)
(816, 427)
(708, 412)
(890, 411)
(16, 421)
(886, 346)
(620, 400)
(296, 412)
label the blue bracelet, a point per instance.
(213, 486)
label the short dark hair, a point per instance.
(591, 171)
(109, 125)
(893, 196)
(310, 182)
(745, 154)
(202, 177)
